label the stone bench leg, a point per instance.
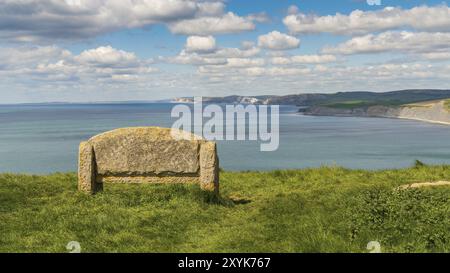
(209, 167)
(87, 170)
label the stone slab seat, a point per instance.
(147, 155)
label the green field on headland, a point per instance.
(328, 209)
(351, 104)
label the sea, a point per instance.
(44, 138)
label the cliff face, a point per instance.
(435, 112)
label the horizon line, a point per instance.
(171, 100)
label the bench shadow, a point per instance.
(227, 201)
(239, 200)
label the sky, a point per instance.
(129, 50)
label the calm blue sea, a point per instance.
(44, 138)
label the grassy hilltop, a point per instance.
(328, 209)
(351, 104)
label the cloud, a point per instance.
(227, 23)
(219, 56)
(321, 78)
(244, 62)
(436, 56)
(200, 44)
(422, 18)
(419, 39)
(51, 73)
(247, 44)
(252, 71)
(44, 21)
(232, 52)
(261, 17)
(392, 41)
(106, 56)
(283, 71)
(304, 59)
(193, 58)
(216, 8)
(278, 41)
(23, 56)
(53, 65)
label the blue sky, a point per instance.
(107, 50)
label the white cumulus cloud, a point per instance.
(200, 44)
(107, 56)
(227, 23)
(402, 42)
(421, 18)
(304, 59)
(245, 62)
(52, 64)
(276, 40)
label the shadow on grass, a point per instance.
(217, 199)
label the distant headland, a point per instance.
(313, 99)
(429, 105)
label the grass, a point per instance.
(328, 209)
(351, 104)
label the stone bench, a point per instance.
(147, 155)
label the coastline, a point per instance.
(430, 112)
(387, 117)
(424, 120)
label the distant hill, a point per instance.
(436, 111)
(312, 99)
